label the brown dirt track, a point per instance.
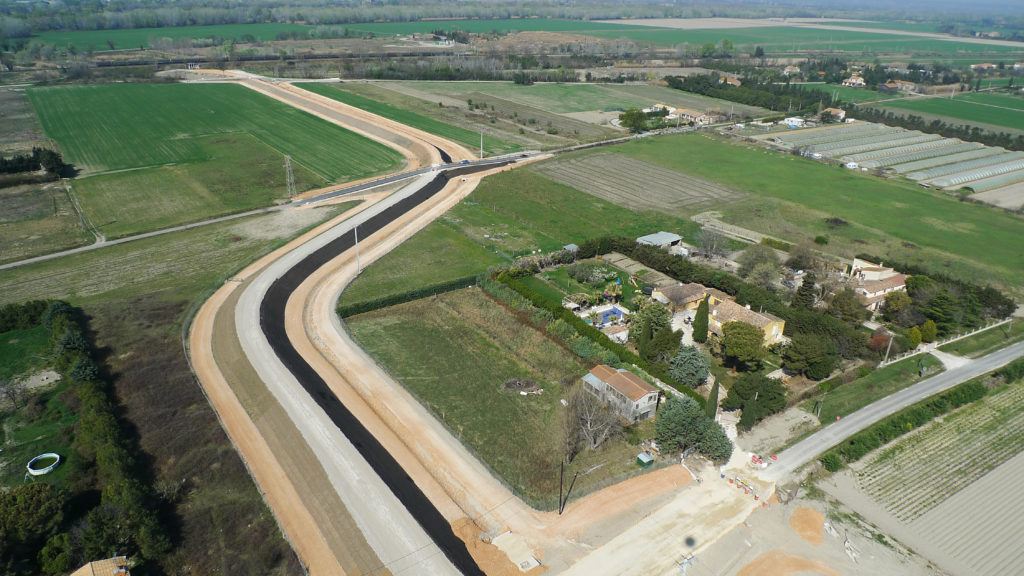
(809, 525)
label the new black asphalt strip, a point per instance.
(272, 322)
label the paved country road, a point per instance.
(814, 445)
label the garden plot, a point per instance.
(922, 470)
(636, 184)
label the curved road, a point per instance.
(806, 450)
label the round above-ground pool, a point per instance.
(43, 464)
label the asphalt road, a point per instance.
(806, 450)
(399, 522)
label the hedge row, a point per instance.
(21, 316)
(625, 355)
(1013, 371)
(126, 517)
(347, 310)
(881, 433)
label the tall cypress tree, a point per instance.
(804, 297)
(700, 322)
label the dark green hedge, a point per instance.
(402, 297)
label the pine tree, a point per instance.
(700, 322)
(804, 297)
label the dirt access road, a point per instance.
(305, 488)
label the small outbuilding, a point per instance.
(663, 240)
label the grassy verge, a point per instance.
(990, 340)
(22, 351)
(851, 397)
(455, 352)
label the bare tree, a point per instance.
(588, 421)
(14, 391)
(712, 243)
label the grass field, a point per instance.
(990, 340)
(467, 138)
(455, 352)
(242, 174)
(99, 40)
(849, 398)
(993, 109)
(440, 252)
(123, 126)
(20, 130)
(902, 221)
(37, 220)
(22, 351)
(509, 214)
(568, 98)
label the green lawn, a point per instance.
(455, 352)
(99, 40)
(244, 174)
(967, 239)
(123, 126)
(22, 351)
(848, 398)
(467, 138)
(984, 342)
(985, 108)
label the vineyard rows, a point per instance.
(636, 184)
(925, 468)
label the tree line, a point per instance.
(44, 158)
(788, 98)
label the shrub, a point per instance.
(821, 240)
(832, 462)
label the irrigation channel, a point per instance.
(272, 323)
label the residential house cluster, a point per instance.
(873, 282)
(682, 114)
(722, 309)
(855, 81)
(898, 86)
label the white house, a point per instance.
(794, 122)
(855, 81)
(873, 282)
(624, 392)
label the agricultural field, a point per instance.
(19, 126)
(992, 109)
(126, 39)
(509, 214)
(638, 185)
(918, 472)
(467, 138)
(243, 174)
(571, 98)
(455, 352)
(124, 126)
(38, 219)
(894, 220)
(848, 398)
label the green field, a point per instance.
(508, 215)
(848, 398)
(495, 25)
(243, 174)
(454, 352)
(567, 98)
(37, 220)
(993, 109)
(467, 138)
(899, 220)
(124, 126)
(98, 40)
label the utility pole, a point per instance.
(481, 144)
(887, 348)
(289, 176)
